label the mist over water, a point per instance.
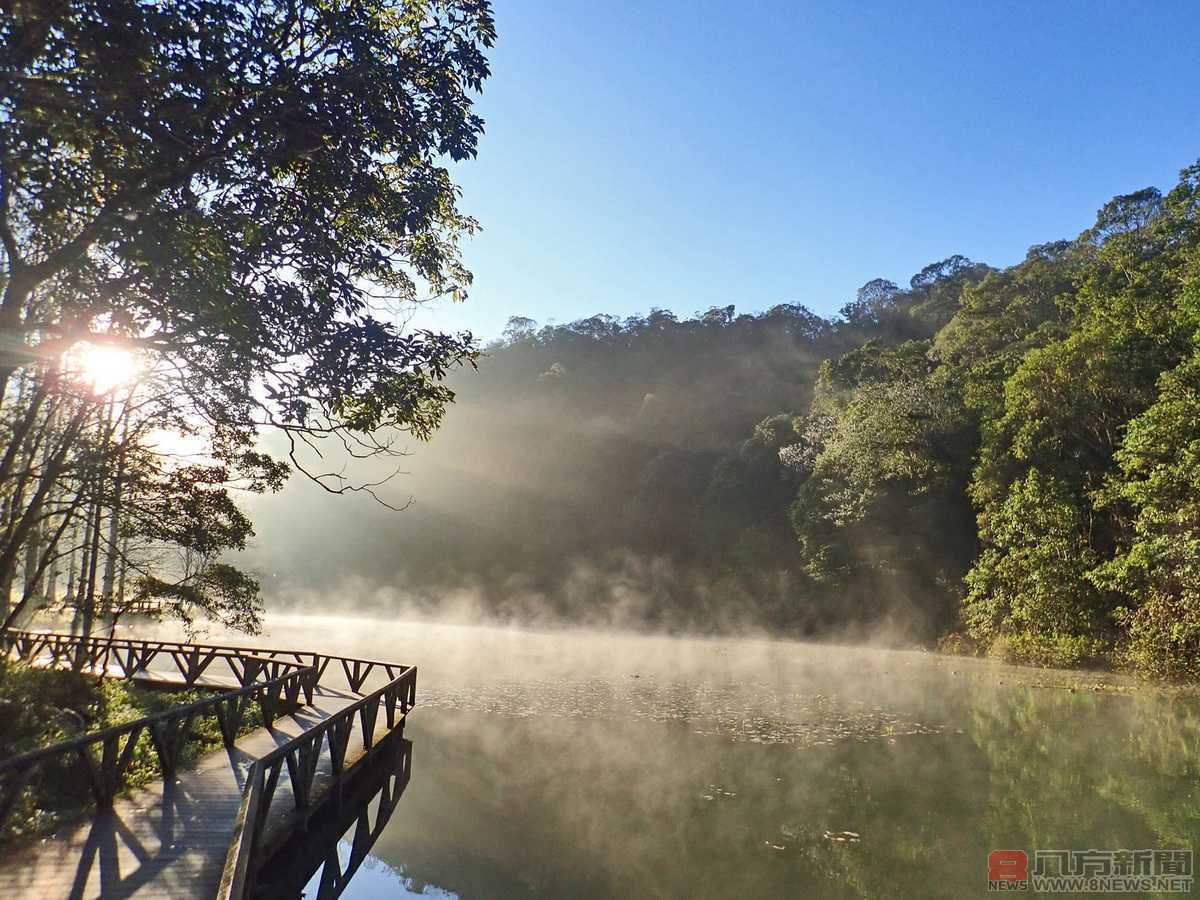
(601, 473)
(597, 764)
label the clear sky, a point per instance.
(686, 154)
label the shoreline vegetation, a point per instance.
(41, 707)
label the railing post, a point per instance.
(309, 684)
(238, 878)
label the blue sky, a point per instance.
(686, 154)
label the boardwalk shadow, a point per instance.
(125, 851)
(102, 853)
(239, 764)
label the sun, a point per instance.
(103, 367)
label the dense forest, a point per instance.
(1007, 460)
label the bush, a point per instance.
(1061, 651)
(1163, 638)
(959, 643)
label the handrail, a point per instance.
(168, 732)
(92, 737)
(367, 708)
(134, 656)
(344, 826)
(300, 757)
(355, 669)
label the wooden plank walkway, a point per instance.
(166, 839)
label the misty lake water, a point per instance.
(573, 764)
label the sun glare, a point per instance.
(103, 367)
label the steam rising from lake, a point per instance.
(757, 690)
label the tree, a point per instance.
(246, 196)
(1159, 567)
(1057, 476)
(519, 328)
(1029, 586)
(948, 268)
(151, 513)
(871, 303)
(1126, 214)
(884, 456)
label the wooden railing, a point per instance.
(300, 757)
(130, 658)
(105, 755)
(192, 659)
(357, 813)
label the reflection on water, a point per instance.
(584, 766)
(320, 860)
(579, 808)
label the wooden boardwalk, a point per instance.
(163, 840)
(171, 839)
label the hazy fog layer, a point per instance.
(566, 484)
(757, 690)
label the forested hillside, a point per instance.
(1009, 457)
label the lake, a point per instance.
(578, 764)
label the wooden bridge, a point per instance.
(216, 828)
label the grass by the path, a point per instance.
(39, 707)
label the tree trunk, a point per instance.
(114, 523)
(99, 483)
(26, 518)
(33, 555)
(52, 581)
(6, 589)
(49, 556)
(77, 598)
(12, 309)
(69, 594)
(87, 618)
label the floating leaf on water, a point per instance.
(842, 837)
